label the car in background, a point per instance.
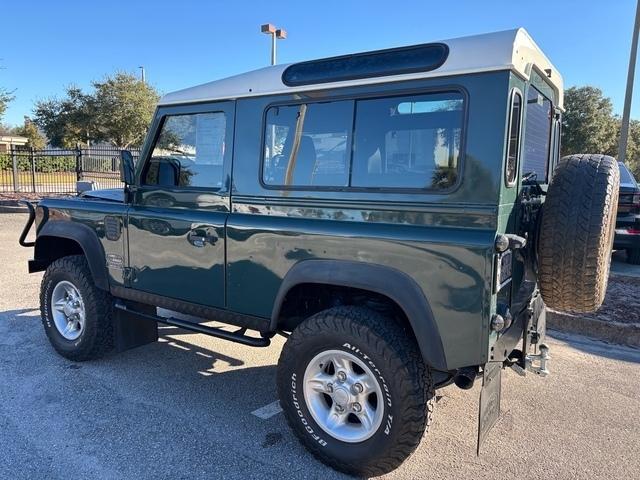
(628, 221)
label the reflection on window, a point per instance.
(307, 144)
(514, 139)
(537, 135)
(189, 152)
(408, 142)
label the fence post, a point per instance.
(78, 162)
(32, 157)
(14, 163)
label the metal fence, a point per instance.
(55, 170)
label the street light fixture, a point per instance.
(276, 34)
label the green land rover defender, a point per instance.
(402, 216)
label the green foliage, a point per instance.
(67, 121)
(588, 124)
(5, 98)
(124, 108)
(44, 164)
(30, 131)
(118, 111)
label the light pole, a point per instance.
(141, 67)
(626, 114)
(276, 34)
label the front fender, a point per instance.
(380, 279)
(83, 236)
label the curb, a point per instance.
(613, 332)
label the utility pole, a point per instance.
(626, 114)
(142, 73)
(276, 34)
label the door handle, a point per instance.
(200, 237)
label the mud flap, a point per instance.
(489, 400)
(133, 331)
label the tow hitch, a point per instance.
(535, 363)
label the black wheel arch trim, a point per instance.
(381, 279)
(88, 241)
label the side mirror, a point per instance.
(127, 169)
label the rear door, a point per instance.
(176, 223)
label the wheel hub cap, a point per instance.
(343, 396)
(67, 309)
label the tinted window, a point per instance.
(513, 145)
(537, 134)
(419, 58)
(408, 142)
(307, 145)
(189, 152)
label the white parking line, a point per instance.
(268, 411)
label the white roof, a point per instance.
(508, 50)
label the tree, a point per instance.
(68, 121)
(124, 108)
(5, 98)
(588, 124)
(118, 111)
(30, 131)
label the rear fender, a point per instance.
(387, 281)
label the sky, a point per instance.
(48, 45)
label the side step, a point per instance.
(238, 336)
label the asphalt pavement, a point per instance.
(182, 408)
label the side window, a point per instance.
(408, 142)
(537, 134)
(307, 145)
(513, 141)
(189, 152)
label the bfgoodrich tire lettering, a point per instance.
(393, 358)
(97, 334)
(576, 236)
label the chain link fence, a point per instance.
(55, 170)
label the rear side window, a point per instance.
(405, 142)
(537, 134)
(513, 141)
(189, 152)
(307, 144)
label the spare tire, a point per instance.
(576, 232)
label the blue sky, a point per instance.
(50, 44)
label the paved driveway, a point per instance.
(181, 408)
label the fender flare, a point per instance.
(387, 281)
(88, 241)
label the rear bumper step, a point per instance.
(238, 336)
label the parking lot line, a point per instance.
(268, 411)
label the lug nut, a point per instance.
(330, 387)
(341, 376)
(357, 388)
(339, 408)
(356, 407)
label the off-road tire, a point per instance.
(398, 364)
(97, 337)
(577, 229)
(633, 256)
